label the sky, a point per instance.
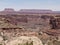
(30, 4)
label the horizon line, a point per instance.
(26, 9)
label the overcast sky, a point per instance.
(30, 4)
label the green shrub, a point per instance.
(26, 43)
(19, 44)
(0, 44)
(31, 43)
(55, 42)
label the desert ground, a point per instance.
(29, 29)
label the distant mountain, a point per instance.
(29, 11)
